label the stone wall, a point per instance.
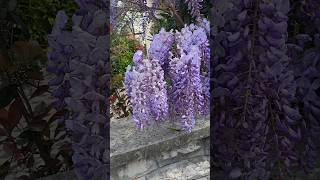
(159, 152)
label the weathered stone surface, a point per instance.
(182, 170)
(137, 168)
(126, 140)
(175, 152)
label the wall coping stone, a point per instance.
(128, 143)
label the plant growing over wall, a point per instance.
(173, 81)
(121, 52)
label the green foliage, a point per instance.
(206, 8)
(25, 130)
(30, 19)
(122, 50)
(7, 94)
(39, 15)
(123, 47)
(169, 22)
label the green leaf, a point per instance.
(3, 132)
(39, 91)
(7, 94)
(26, 135)
(38, 126)
(4, 169)
(42, 111)
(15, 113)
(3, 13)
(3, 62)
(12, 4)
(18, 20)
(57, 115)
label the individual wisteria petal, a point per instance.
(94, 96)
(78, 88)
(98, 24)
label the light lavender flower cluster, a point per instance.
(194, 7)
(146, 88)
(194, 35)
(197, 36)
(186, 91)
(160, 47)
(181, 59)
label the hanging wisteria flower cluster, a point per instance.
(194, 6)
(79, 61)
(305, 54)
(173, 82)
(265, 97)
(146, 86)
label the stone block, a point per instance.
(137, 168)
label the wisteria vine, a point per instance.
(182, 86)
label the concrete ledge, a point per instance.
(148, 154)
(127, 143)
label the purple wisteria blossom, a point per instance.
(194, 7)
(184, 65)
(195, 35)
(160, 47)
(146, 88)
(186, 92)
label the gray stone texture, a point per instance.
(159, 152)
